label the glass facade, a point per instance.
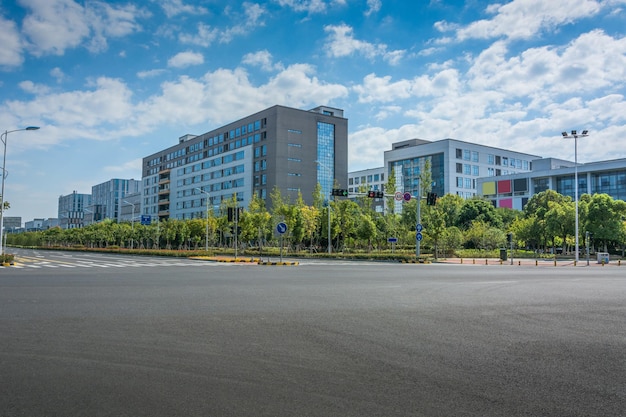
(326, 156)
(565, 185)
(410, 170)
(612, 183)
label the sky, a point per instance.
(111, 82)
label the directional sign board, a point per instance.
(281, 228)
(418, 237)
(146, 219)
(392, 239)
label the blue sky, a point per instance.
(110, 82)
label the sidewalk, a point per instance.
(528, 262)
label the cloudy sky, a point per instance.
(110, 82)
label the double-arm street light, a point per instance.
(206, 237)
(4, 138)
(575, 135)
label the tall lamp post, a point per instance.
(575, 135)
(206, 237)
(329, 241)
(132, 224)
(4, 138)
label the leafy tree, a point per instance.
(478, 210)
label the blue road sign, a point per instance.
(419, 227)
(392, 239)
(281, 227)
(146, 219)
(407, 196)
(419, 237)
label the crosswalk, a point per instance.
(35, 263)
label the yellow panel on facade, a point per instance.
(489, 188)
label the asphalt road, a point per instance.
(318, 339)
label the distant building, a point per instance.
(131, 208)
(368, 179)
(34, 225)
(12, 224)
(290, 149)
(514, 190)
(108, 199)
(71, 211)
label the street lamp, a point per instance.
(206, 237)
(575, 135)
(132, 224)
(329, 241)
(4, 138)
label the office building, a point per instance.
(108, 199)
(455, 165)
(290, 149)
(514, 190)
(71, 210)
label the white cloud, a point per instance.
(341, 43)
(523, 19)
(185, 59)
(310, 6)
(58, 74)
(11, 51)
(172, 8)
(52, 26)
(129, 166)
(150, 73)
(206, 35)
(373, 6)
(263, 60)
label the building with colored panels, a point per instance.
(514, 191)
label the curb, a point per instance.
(421, 261)
(279, 263)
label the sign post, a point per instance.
(281, 228)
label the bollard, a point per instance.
(519, 263)
(574, 262)
(536, 262)
(486, 263)
(555, 262)
(619, 263)
(461, 261)
(500, 261)
(474, 261)
(603, 262)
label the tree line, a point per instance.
(453, 224)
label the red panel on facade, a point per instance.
(507, 202)
(504, 187)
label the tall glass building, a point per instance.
(290, 149)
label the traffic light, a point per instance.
(509, 237)
(339, 192)
(431, 199)
(375, 194)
